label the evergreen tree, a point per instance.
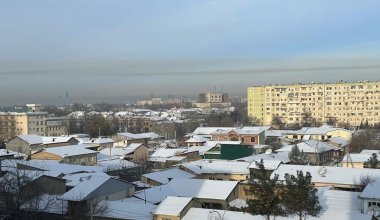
(297, 157)
(373, 162)
(300, 197)
(267, 196)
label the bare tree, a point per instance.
(277, 122)
(18, 187)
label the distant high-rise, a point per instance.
(212, 99)
(67, 94)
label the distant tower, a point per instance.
(67, 94)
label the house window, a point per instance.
(253, 139)
(370, 204)
(242, 139)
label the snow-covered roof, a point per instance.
(5, 152)
(280, 156)
(128, 208)
(371, 191)
(370, 152)
(112, 164)
(172, 206)
(356, 158)
(333, 175)
(207, 214)
(166, 152)
(339, 140)
(53, 165)
(85, 188)
(70, 150)
(176, 158)
(53, 140)
(335, 204)
(131, 148)
(209, 130)
(31, 139)
(310, 146)
(163, 176)
(200, 149)
(113, 152)
(100, 140)
(196, 139)
(214, 143)
(149, 135)
(268, 164)
(273, 133)
(194, 188)
(217, 166)
(322, 130)
(247, 130)
(73, 179)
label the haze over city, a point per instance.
(107, 50)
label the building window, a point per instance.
(253, 139)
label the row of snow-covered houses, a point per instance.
(188, 184)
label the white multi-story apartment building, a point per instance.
(353, 103)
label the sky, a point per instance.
(117, 50)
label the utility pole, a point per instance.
(91, 217)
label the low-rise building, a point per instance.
(100, 143)
(136, 152)
(126, 138)
(165, 158)
(95, 188)
(210, 193)
(27, 144)
(357, 160)
(317, 152)
(371, 198)
(341, 178)
(246, 136)
(321, 133)
(165, 176)
(218, 170)
(173, 208)
(73, 154)
(196, 141)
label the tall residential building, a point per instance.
(15, 123)
(342, 102)
(31, 122)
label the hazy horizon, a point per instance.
(115, 51)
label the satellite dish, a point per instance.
(269, 151)
(322, 171)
